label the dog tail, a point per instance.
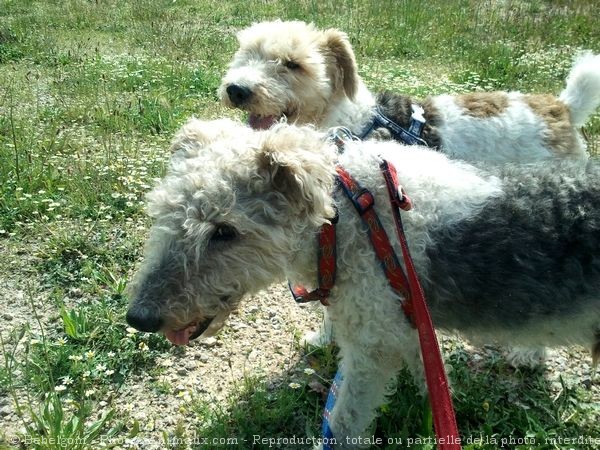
(582, 94)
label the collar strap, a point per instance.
(363, 202)
(326, 267)
(412, 136)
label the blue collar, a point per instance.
(412, 136)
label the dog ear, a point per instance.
(341, 64)
(196, 134)
(297, 165)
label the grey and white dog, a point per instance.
(510, 255)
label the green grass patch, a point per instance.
(261, 409)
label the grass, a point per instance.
(90, 95)
(496, 406)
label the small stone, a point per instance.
(5, 411)
(76, 292)
(8, 317)
(182, 371)
(102, 403)
(238, 326)
(209, 342)
(191, 365)
(204, 358)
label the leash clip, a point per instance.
(339, 136)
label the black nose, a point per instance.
(238, 94)
(143, 319)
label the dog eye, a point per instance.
(291, 65)
(224, 233)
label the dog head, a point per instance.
(291, 70)
(228, 222)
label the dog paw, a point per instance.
(316, 339)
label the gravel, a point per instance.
(260, 339)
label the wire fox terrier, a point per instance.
(510, 254)
(309, 76)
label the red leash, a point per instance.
(444, 418)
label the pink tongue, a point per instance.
(261, 123)
(181, 337)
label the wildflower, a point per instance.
(67, 380)
(61, 341)
(131, 330)
(143, 347)
(309, 371)
(185, 395)
(60, 388)
(75, 357)
(111, 354)
(109, 372)
(100, 367)
(90, 354)
(294, 385)
(90, 392)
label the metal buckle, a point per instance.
(363, 200)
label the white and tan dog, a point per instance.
(511, 254)
(309, 76)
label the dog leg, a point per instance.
(368, 378)
(322, 337)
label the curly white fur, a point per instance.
(272, 190)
